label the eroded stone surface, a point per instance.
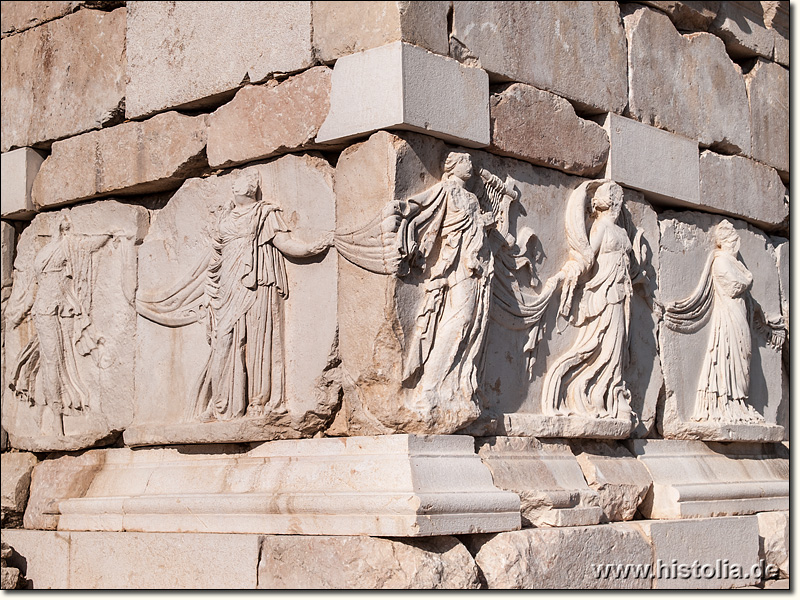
(768, 91)
(19, 169)
(20, 16)
(741, 26)
(16, 478)
(42, 557)
(773, 531)
(688, 16)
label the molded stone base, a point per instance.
(723, 432)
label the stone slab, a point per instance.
(19, 16)
(687, 16)
(63, 78)
(16, 480)
(768, 92)
(741, 26)
(664, 166)
(42, 557)
(8, 243)
(707, 479)
(773, 533)
(19, 169)
(175, 57)
(573, 49)
(399, 86)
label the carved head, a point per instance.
(246, 186)
(62, 226)
(726, 238)
(458, 164)
(608, 198)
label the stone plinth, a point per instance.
(19, 169)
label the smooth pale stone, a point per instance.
(782, 257)
(543, 129)
(188, 54)
(691, 16)
(344, 28)
(621, 481)
(561, 558)
(262, 121)
(573, 49)
(704, 99)
(768, 91)
(400, 86)
(131, 158)
(662, 165)
(63, 78)
(741, 26)
(170, 360)
(404, 486)
(686, 243)
(709, 479)
(102, 252)
(16, 480)
(359, 562)
(700, 553)
(42, 557)
(547, 478)
(773, 529)
(19, 169)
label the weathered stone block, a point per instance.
(400, 86)
(573, 49)
(687, 16)
(42, 557)
(344, 28)
(256, 123)
(19, 169)
(705, 99)
(20, 16)
(63, 78)
(8, 248)
(768, 91)
(131, 158)
(741, 26)
(16, 480)
(543, 129)
(773, 531)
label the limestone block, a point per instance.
(186, 54)
(723, 330)
(19, 169)
(662, 165)
(704, 99)
(63, 78)
(256, 123)
(687, 16)
(344, 28)
(16, 480)
(768, 91)
(42, 557)
(357, 562)
(773, 531)
(719, 553)
(70, 323)
(8, 247)
(621, 482)
(776, 18)
(19, 16)
(543, 129)
(573, 49)
(741, 26)
(699, 479)
(131, 158)
(562, 558)
(191, 385)
(400, 86)
(404, 486)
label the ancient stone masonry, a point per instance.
(431, 295)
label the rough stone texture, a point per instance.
(687, 16)
(620, 480)
(740, 187)
(262, 121)
(16, 480)
(131, 158)
(573, 49)
(63, 78)
(560, 558)
(706, 541)
(773, 533)
(184, 54)
(357, 562)
(741, 26)
(768, 91)
(662, 165)
(16, 17)
(776, 18)
(703, 99)
(343, 28)
(543, 129)
(10, 575)
(686, 244)
(8, 244)
(42, 557)
(400, 86)
(19, 169)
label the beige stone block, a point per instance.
(359, 562)
(131, 158)
(705, 99)
(19, 169)
(400, 86)
(188, 54)
(688, 16)
(42, 557)
(343, 28)
(562, 558)
(741, 26)
(768, 91)
(262, 121)
(573, 49)
(63, 78)
(19, 16)
(701, 553)
(773, 531)
(543, 129)
(621, 481)
(16, 480)
(662, 165)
